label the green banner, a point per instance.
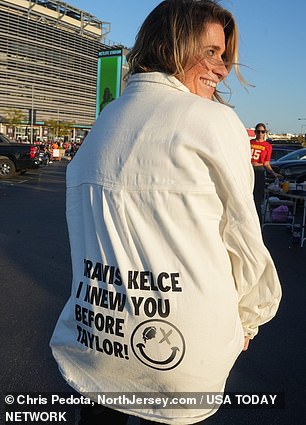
(109, 78)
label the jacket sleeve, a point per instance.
(226, 149)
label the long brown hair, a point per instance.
(171, 34)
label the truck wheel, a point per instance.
(7, 168)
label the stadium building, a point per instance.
(48, 64)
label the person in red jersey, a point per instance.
(261, 152)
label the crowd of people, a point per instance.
(52, 149)
(49, 146)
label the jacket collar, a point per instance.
(159, 78)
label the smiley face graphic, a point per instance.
(158, 344)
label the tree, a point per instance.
(65, 128)
(58, 129)
(14, 118)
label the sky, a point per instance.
(272, 52)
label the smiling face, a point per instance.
(202, 74)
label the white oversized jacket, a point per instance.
(169, 267)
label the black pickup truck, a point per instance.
(16, 157)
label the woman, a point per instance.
(261, 155)
(171, 278)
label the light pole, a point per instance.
(58, 120)
(301, 119)
(32, 116)
(302, 126)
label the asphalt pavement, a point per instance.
(35, 276)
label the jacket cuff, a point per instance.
(250, 333)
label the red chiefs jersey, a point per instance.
(261, 151)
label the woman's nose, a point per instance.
(221, 71)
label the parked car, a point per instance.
(16, 157)
(298, 154)
(279, 151)
(293, 171)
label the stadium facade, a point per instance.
(48, 62)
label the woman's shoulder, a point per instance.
(211, 112)
(210, 106)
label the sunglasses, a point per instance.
(260, 131)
